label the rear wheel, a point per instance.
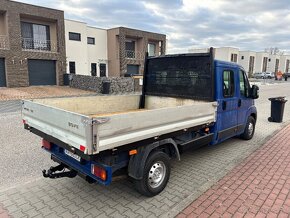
(156, 174)
(250, 129)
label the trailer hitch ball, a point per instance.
(51, 173)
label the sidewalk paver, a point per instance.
(258, 187)
(24, 187)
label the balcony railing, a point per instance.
(38, 45)
(134, 55)
(4, 42)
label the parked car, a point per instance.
(260, 75)
(286, 75)
(269, 75)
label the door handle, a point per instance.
(239, 103)
(224, 105)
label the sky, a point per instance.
(247, 24)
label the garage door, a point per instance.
(2, 73)
(41, 72)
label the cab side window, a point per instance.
(228, 84)
(244, 87)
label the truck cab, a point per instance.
(235, 102)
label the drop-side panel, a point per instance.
(71, 128)
(121, 129)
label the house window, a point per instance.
(151, 49)
(130, 49)
(277, 65)
(243, 57)
(265, 64)
(91, 40)
(132, 69)
(93, 69)
(103, 70)
(251, 65)
(234, 58)
(74, 36)
(287, 66)
(244, 84)
(72, 67)
(35, 36)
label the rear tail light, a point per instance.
(99, 172)
(82, 148)
(46, 144)
(24, 121)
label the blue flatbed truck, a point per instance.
(187, 101)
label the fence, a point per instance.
(118, 85)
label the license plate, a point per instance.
(74, 156)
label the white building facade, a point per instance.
(285, 63)
(262, 62)
(251, 61)
(273, 63)
(86, 49)
(223, 54)
(247, 60)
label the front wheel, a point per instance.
(250, 129)
(156, 174)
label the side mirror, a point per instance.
(255, 92)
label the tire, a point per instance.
(156, 163)
(249, 129)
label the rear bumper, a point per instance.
(82, 167)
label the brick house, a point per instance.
(32, 45)
(127, 48)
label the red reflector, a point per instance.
(24, 121)
(46, 144)
(99, 172)
(82, 148)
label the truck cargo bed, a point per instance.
(99, 123)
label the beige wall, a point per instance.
(97, 53)
(113, 52)
(283, 61)
(272, 63)
(82, 53)
(246, 61)
(76, 50)
(222, 54)
(259, 61)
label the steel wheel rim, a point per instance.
(251, 128)
(156, 174)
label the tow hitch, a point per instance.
(51, 173)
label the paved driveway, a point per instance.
(32, 195)
(7, 94)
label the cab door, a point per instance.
(227, 117)
(244, 101)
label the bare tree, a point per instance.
(274, 51)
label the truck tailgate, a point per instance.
(71, 128)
